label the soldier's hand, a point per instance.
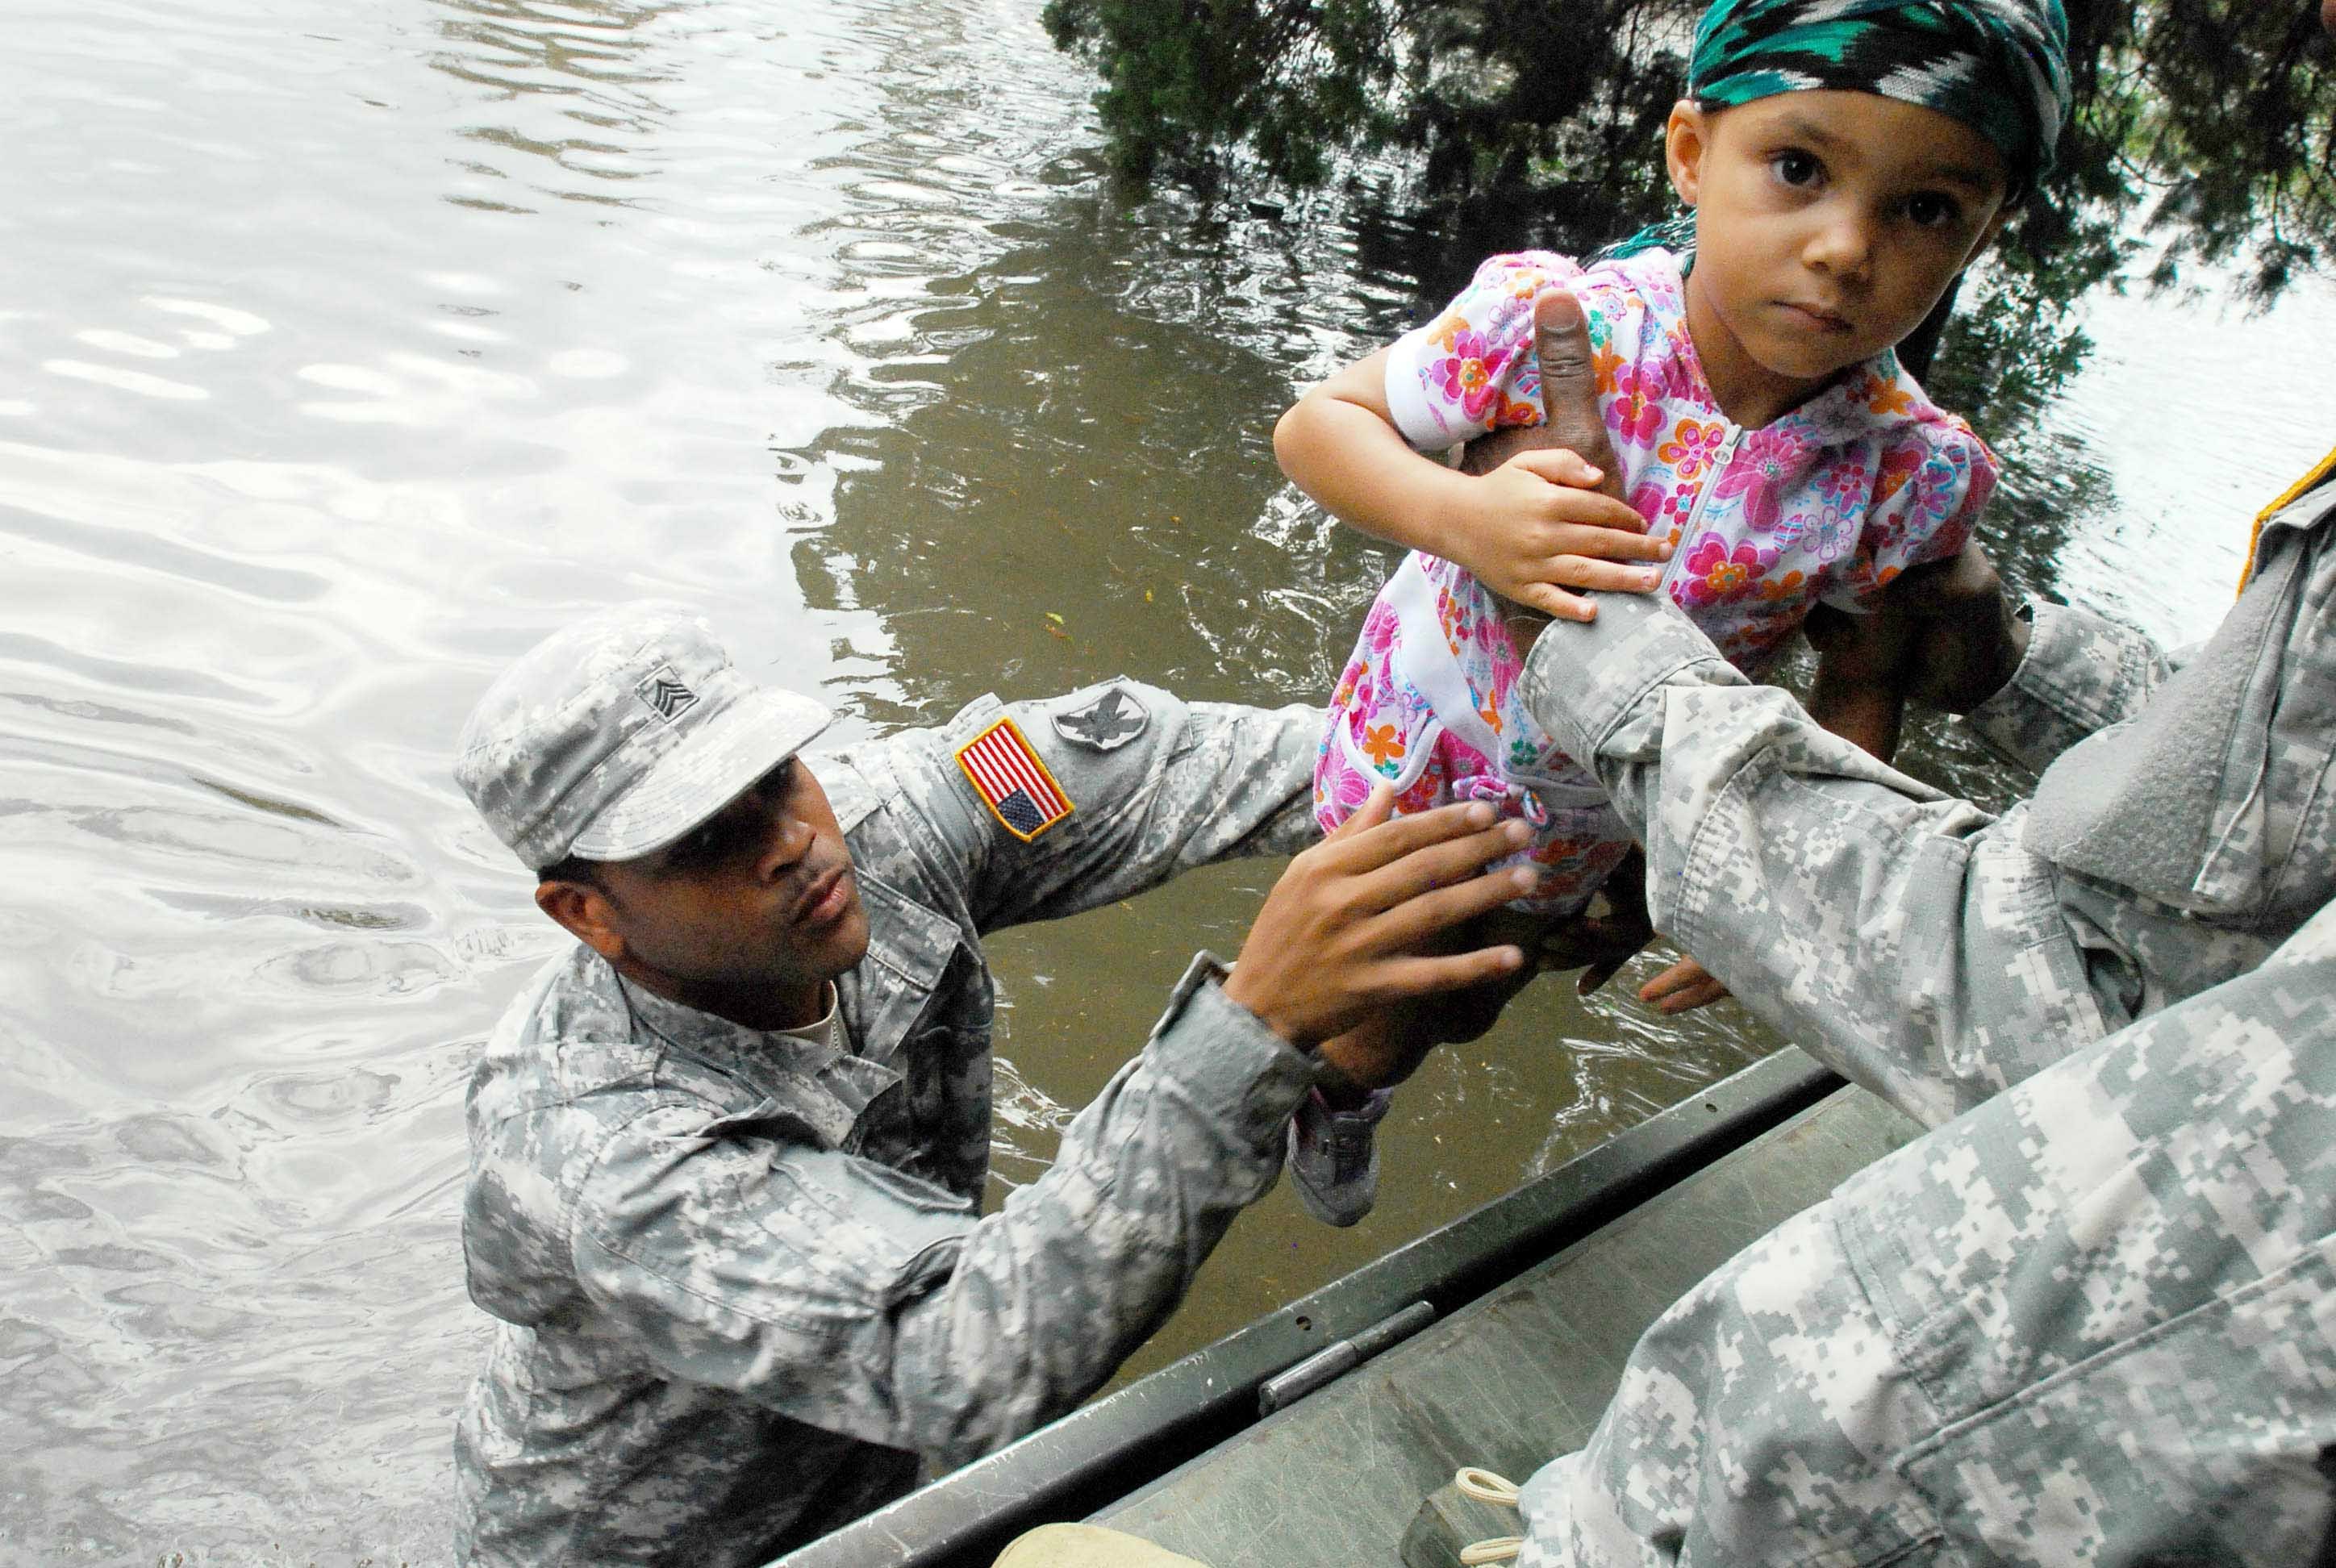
(1967, 640)
(1599, 942)
(1571, 423)
(1348, 928)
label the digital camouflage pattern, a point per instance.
(2195, 839)
(744, 1291)
(618, 734)
(1931, 952)
(2090, 1319)
(2092, 1322)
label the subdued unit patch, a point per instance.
(1105, 724)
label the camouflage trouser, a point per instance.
(2091, 1322)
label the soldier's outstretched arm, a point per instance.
(1893, 933)
(859, 1299)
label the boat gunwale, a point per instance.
(1118, 1445)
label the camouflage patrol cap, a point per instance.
(615, 736)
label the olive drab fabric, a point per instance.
(743, 1292)
(2089, 1318)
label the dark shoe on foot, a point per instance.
(1334, 1158)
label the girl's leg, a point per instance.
(1389, 1046)
(1334, 1163)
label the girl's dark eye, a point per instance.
(1931, 209)
(1795, 167)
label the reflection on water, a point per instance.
(348, 350)
(1060, 497)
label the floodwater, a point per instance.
(345, 350)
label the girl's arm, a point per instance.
(1529, 529)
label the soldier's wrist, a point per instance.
(1242, 995)
(1225, 1053)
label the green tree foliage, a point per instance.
(2228, 108)
(2207, 125)
(1488, 97)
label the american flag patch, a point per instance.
(1012, 782)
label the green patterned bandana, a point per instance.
(2000, 66)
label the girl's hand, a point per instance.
(1547, 513)
(1536, 526)
(1683, 988)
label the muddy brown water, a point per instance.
(345, 350)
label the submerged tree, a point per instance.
(2208, 125)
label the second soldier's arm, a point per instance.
(2048, 1300)
(1884, 928)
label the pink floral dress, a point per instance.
(1829, 502)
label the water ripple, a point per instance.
(355, 347)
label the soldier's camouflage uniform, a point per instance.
(2092, 1320)
(744, 1291)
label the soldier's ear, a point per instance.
(585, 912)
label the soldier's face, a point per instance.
(750, 914)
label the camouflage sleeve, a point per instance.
(1133, 785)
(2093, 1321)
(865, 1301)
(2082, 672)
(1904, 939)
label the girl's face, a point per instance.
(1828, 224)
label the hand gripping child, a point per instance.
(1844, 160)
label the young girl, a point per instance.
(1844, 160)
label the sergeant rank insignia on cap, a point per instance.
(663, 691)
(1012, 782)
